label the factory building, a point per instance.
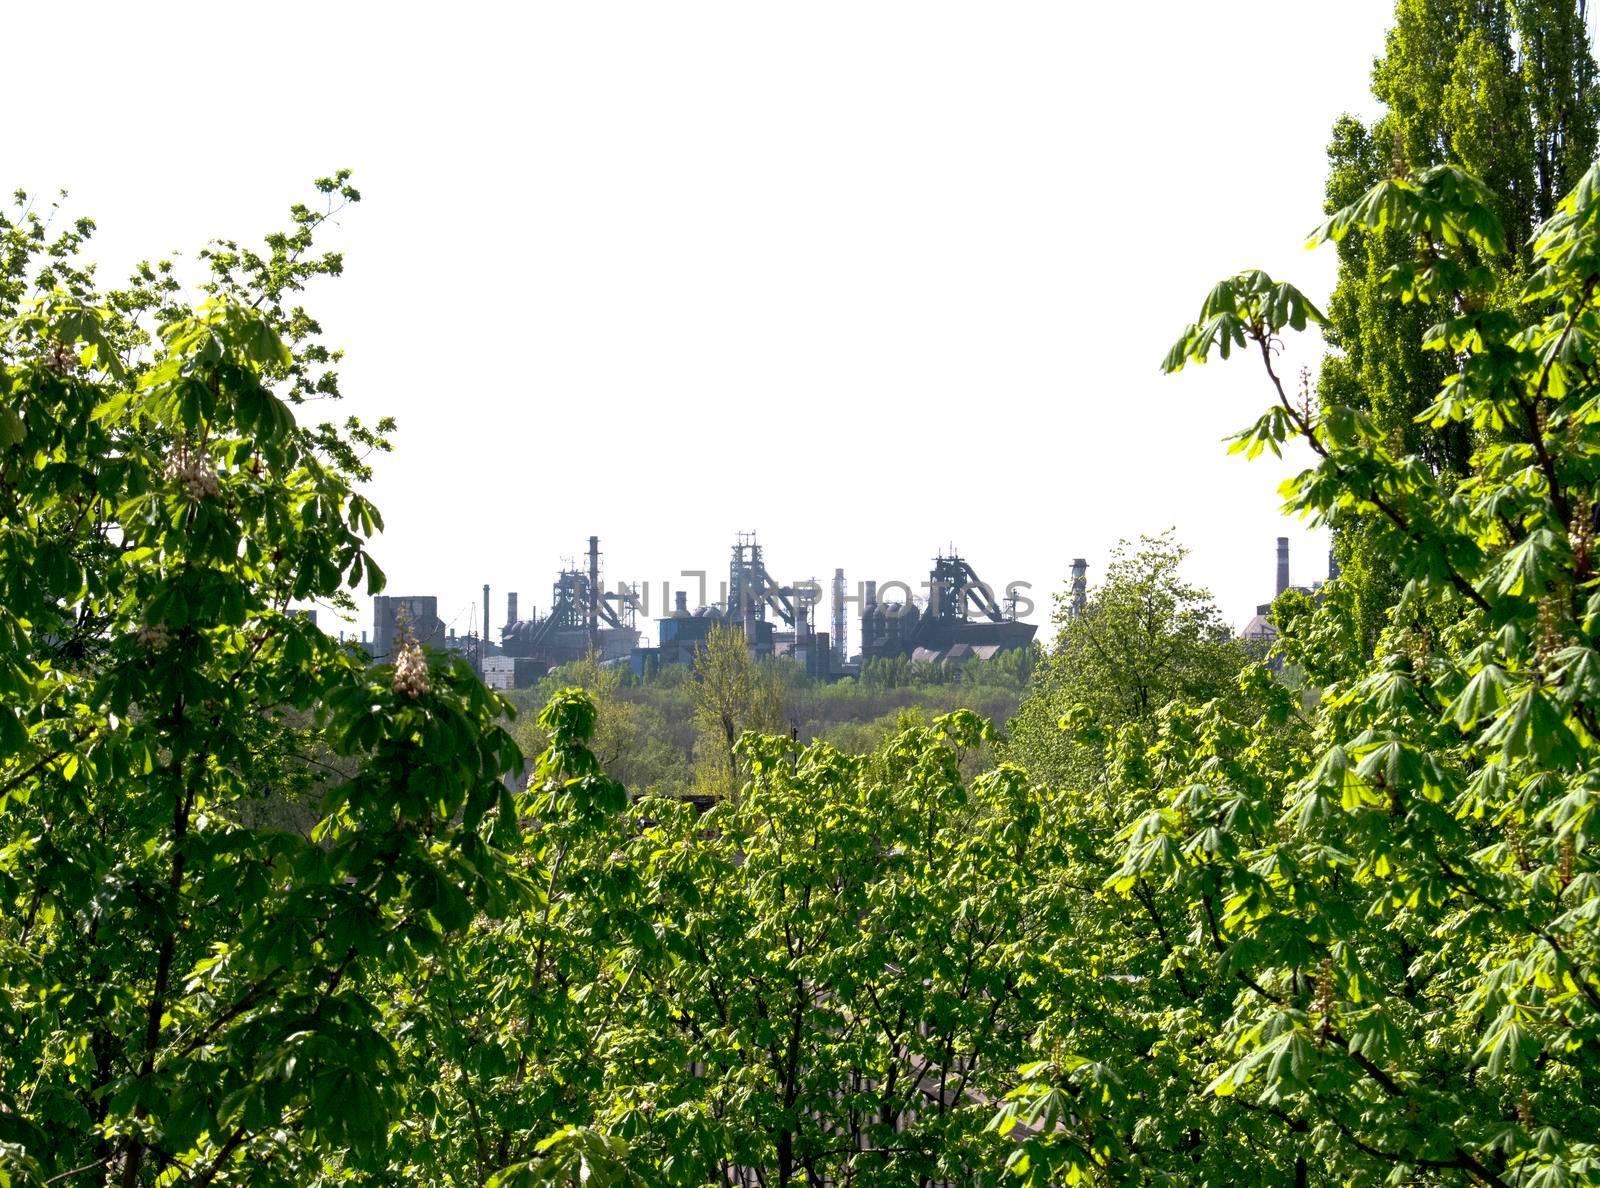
(512, 672)
(756, 605)
(959, 621)
(584, 617)
(418, 612)
(471, 647)
(1259, 630)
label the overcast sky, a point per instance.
(870, 278)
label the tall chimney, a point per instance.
(594, 592)
(871, 626)
(511, 609)
(483, 634)
(1080, 586)
(680, 602)
(1283, 564)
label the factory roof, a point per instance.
(1259, 627)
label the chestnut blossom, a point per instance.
(411, 670)
(193, 470)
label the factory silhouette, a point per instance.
(959, 618)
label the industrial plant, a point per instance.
(1260, 629)
(958, 619)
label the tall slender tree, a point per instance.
(1507, 89)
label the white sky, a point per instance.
(869, 277)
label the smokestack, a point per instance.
(594, 591)
(1080, 586)
(483, 635)
(680, 604)
(871, 626)
(511, 609)
(1283, 564)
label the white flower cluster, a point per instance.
(411, 670)
(193, 470)
(155, 638)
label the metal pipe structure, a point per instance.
(840, 627)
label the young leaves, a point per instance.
(1249, 307)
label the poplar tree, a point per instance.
(1506, 89)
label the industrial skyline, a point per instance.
(862, 315)
(957, 617)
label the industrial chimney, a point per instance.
(1080, 586)
(511, 609)
(594, 592)
(680, 603)
(1283, 564)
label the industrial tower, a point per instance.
(841, 650)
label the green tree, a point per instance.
(496, 1033)
(1128, 1032)
(732, 693)
(838, 969)
(1506, 89)
(829, 977)
(1146, 638)
(188, 994)
(615, 733)
(1408, 911)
